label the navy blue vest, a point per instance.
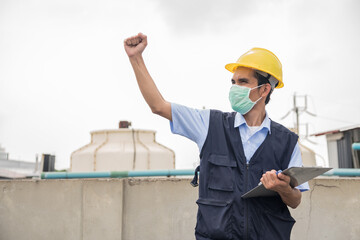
(225, 176)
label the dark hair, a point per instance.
(263, 80)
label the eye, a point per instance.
(232, 81)
(242, 81)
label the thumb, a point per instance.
(281, 176)
(143, 37)
(284, 178)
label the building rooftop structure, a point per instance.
(14, 168)
(339, 146)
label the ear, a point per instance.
(265, 90)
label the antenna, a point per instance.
(298, 109)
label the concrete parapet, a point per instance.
(330, 210)
(153, 208)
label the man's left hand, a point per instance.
(276, 182)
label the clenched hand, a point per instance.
(135, 45)
(278, 183)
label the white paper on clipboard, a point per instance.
(298, 175)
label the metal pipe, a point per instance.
(57, 175)
(344, 172)
(356, 146)
(154, 173)
(121, 174)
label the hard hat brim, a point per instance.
(233, 66)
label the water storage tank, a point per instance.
(308, 156)
(3, 155)
(122, 149)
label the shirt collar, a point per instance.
(240, 120)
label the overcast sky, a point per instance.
(64, 72)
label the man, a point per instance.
(237, 150)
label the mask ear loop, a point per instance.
(267, 78)
(250, 91)
(257, 100)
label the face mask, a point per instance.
(239, 98)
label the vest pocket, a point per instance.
(221, 173)
(277, 225)
(214, 219)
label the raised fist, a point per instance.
(135, 45)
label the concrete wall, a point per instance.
(161, 208)
(330, 210)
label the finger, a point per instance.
(268, 183)
(272, 175)
(267, 178)
(143, 37)
(263, 181)
(134, 41)
(128, 41)
(283, 177)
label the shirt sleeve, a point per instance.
(296, 161)
(190, 123)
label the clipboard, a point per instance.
(298, 176)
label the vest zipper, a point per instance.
(246, 205)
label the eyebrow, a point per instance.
(240, 79)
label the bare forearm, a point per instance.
(148, 88)
(134, 46)
(291, 196)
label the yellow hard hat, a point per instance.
(260, 59)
